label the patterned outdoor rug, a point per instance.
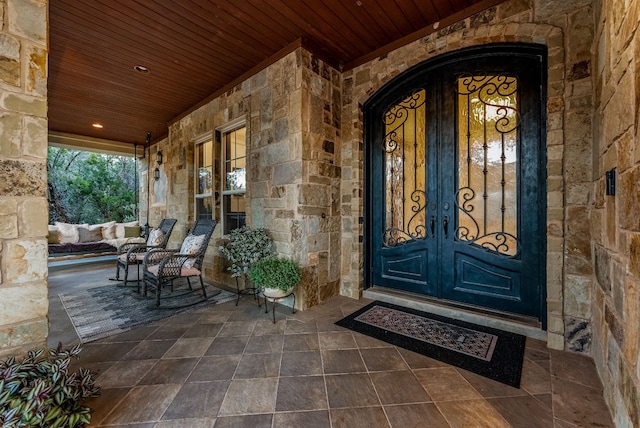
(483, 350)
(103, 311)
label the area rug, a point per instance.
(103, 311)
(486, 351)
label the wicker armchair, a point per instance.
(133, 254)
(162, 267)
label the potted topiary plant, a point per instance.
(244, 248)
(276, 276)
(39, 391)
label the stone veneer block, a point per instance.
(22, 303)
(25, 261)
(21, 178)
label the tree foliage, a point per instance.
(87, 187)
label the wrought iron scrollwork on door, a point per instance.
(405, 170)
(487, 195)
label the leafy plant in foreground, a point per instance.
(39, 391)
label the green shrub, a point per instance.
(275, 272)
(38, 391)
(245, 247)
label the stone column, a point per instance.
(23, 187)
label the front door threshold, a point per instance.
(504, 322)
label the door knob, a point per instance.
(433, 226)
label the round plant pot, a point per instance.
(276, 293)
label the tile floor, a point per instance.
(228, 366)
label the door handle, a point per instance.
(433, 226)
(445, 224)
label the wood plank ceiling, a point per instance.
(195, 48)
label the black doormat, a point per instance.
(489, 352)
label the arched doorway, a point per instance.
(455, 189)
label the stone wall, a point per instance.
(616, 219)
(566, 29)
(23, 186)
(293, 117)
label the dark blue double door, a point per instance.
(455, 189)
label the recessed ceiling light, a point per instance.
(97, 125)
(141, 69)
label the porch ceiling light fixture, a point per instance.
(97, 125)
(141, 69)
(159, 158)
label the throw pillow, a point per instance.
(155, 237)
(191, 245)
(109, 232)
(89, 235)
(69, 232)
(132, 231)
(120, 228)
(53, 237)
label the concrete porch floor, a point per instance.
(228, 366)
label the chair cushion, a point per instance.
(191, 245)
(133, 257)
(155, 237)
(183, 272)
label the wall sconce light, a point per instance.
(159, 158)
(611, 182)
(156, 174)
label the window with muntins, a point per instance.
(204, 180)
(234, 146)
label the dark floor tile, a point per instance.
(523, 411)
(314, 419)
(174, 370)
(249, 421)
(265, 344)
(239, 328)
(329, 324)
(227, 345)
(535, 379)
(258, 366)
(415, 416)
(445, 383)
(167, 332)
(105, 403)
(295, 327)
(250, 396)
(367, 417)
(197, 400)
(301, 342)
(383, 359)
(143, 404)
(399, 387)
(301, 363)
(216, 367)
(350, 390)
(301, 393)
(189, 347)
(580, 405)
(185, 423)
(342, 361)
(149, 350)
(364, 341)
(419, 361)
(489, 388)
(337, 340)
(267, 327)
(203, 330)
(545, 399)
(102, 352)
(125, 373)
(575, 367)
(472, 413)
(135, 335)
